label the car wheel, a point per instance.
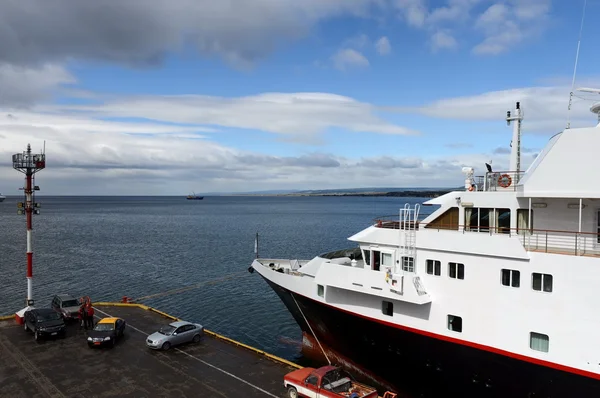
(196, 338)
(166, 346)
(292, 392)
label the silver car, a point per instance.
(174, 334)
(66, 305)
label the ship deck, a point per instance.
(67, 367)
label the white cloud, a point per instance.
(456, 10)
(531, 9)
(291, 114)
(443, 40)
(138, 32)
(383, 46)
(348, 58)
(113, 164)
(22, 86)
(505, 25)
(494, 16)
(360, 41)
(545, 108)
(413, 11)
(177, 129)
(94, 155)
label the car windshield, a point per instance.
(167, 330)
(48, 316)
(70, 303)
(102, 327)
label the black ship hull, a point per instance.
(418, 364)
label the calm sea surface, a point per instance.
(108, 247)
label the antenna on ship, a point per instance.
(575, 68)
(29, 164)
(515, 153)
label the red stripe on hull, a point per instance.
(467, 343)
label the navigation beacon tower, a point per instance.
(29, 164)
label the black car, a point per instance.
(106, 332)
(44, 322)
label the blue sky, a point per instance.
(176, 96)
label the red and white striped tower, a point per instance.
(29, 164)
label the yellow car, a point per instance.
(106, 332)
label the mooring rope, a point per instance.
(311, 330)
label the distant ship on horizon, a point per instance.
(2, 197)
(193, 196)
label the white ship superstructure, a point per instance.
(495, 293)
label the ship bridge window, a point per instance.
(447, 220)
(503, 221)
(376, 260)
(321, 290)
(433, 267)
(482, 219)
(367, 257)
(539, 341)
(386, 259)
(523, 221)
(477, 219)
(541, 282)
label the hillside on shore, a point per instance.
(415, 193)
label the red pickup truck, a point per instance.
(325, 382)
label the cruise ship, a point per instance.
(494, 294)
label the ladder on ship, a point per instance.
(409, 223)
(408, 236)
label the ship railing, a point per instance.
(393, 222)
(499, 181)
(563, 242)
(286, 266)
(536, 240)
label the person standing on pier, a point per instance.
(82, 316)
(89, 316)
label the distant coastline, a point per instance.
(404, 194)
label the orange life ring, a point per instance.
(504, 181)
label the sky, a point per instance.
(170, 97)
